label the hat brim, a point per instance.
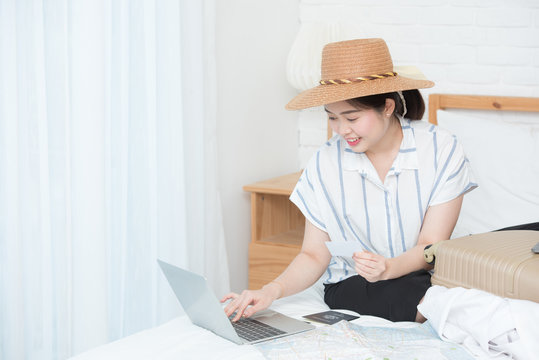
(328, 94)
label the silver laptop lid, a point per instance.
(199, 301)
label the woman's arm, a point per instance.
(438, 225)
(303, 271)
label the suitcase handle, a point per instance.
(429, 253)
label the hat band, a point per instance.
(357, 79)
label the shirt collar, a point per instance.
(406, 158)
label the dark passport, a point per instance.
(330, 317)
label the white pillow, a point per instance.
(504, 156)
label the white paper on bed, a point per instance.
(345, 340)
(503, 149)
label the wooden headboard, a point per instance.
(479, 102)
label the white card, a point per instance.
(343, 248)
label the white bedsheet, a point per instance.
(180, 339)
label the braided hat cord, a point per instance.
(357, 79)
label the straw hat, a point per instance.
(357, 68)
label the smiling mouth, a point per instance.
(353, 141)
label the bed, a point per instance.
(504, 159)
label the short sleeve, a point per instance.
(454, 175)
(304, 196)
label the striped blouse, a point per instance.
(341, 193)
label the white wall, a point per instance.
(257, 138)
(488, 47)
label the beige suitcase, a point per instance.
(501, 263)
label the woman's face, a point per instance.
(363, 129)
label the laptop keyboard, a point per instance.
(253, 330)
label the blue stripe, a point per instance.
(343, 199)
(418, 189)
(458, 170)
(346, 264)
(328, 270)
(327, 196)
(443, 170)
(406, 127)
(388, 219)
(309, 211)
(435, 143)
(366, 209)
(431, 129)
(407, 150)
(308, 180)
(399, 216)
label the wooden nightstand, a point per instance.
(277, 228)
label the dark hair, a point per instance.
(415, 105)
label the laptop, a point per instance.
(204, 310)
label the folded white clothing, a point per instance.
(488, 325)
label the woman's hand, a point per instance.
(258, 299)
(372, 267)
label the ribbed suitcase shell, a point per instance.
(501, 263)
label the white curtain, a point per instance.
(107, 162)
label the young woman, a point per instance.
(391, 184)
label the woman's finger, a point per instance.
(363, 270)
(364, 255)
(367, 263)
(244, 300)
(255, 308)
(365, 259)
(231, 307)
(229, 296)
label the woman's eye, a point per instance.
(332, 118)
(354, 119)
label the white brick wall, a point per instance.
(488, 47)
